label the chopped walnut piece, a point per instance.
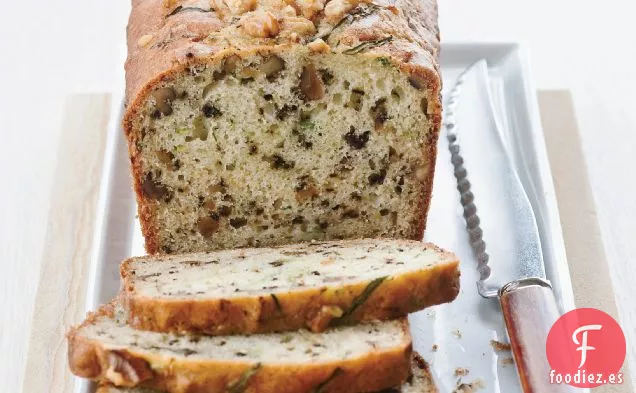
(421, 172)
(261, 24)
(248, 72)
(272, 65)
(289, 11)
(311, 84)
(239, 7)
(207, 226)
(296, 24)
(163, 99)
(220, 7)
(230, 64)
(120, 371)
(167, 159)
(336, 9)
(310, 8)
(169, 4)
(323, 318)
(307, 193)
(319, 46)
(153, 189)
(144, 40)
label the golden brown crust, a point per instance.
(313, 308)
(374, 371)
(163, 44)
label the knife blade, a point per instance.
(501, 225)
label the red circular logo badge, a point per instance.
(586, 348)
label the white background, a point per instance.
(53, 48)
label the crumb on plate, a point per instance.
(507, 361)
(471, 387)
(499, 346)
(461, 372)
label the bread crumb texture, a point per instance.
(262, 122)
(420, 381)
(309, 285)
(261, 271)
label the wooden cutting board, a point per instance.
(60, 299)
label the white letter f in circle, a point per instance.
(584, 347)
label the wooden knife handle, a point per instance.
(530, 310)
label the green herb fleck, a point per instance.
(286, 338)
(367, 45)
(362, 11)
(240, 385)
(181, 8)
(277, 263)
(323, 385)
(359, 300)
(307, 124)
(294, 253)
(275, 299)
(384, 61)
(183, 130)
(180, 148)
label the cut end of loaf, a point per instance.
(278, 148)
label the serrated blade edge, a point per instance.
(475, 232)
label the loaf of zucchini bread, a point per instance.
(310, 285)
(264, 122)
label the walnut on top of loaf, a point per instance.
(164, 32)
(312, 10)
(220, 24)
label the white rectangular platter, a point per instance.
(460, 331)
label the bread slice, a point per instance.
(420, 381)
(362, 358)
(309, 285)
(274, 122)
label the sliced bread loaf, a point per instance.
(420, 381)
(310, 285)
(272, 122)
(362, 358)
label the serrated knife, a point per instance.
(509, 261)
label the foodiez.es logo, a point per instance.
(586, 348)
